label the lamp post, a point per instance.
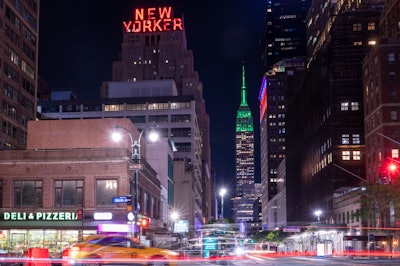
(136, 166)
(318, 214)
(222, 193)
(174, 217)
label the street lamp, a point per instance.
(136, 166)
(318, 214)
(222, 193)
(174, 217)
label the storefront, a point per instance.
(54, 230)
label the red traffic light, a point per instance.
(145, 222)
(392, 167)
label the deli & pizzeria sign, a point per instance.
(42, 216)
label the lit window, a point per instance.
(395, 153)
(371, 42)
(356, 155)
(113, 107)
(356, 138)
(346, 155)
(371, 26)
(354, 106)
(359, 43)
(344, 106)
(345, 139)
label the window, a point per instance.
(28, 193)
(136, 106)
(344, 106)
(158, 106)
(68, 193)
(391, 58)
(158, 119)
(346, 155)
(371, 26)
(138, 119)
(356, 155)
(106, 189)
(392, 77)
(356, 139)
(180, 118)
(355, 106)
(113, 107)
(183, 147)
(92, 108)
(180, 132)
(393, 115)
(357, 27)
(71, 108)
(27, 69)
(395, 153)
(345, 139)
(184, 105)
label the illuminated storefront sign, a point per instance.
(153, 19)
(41, 216)
(102, 216)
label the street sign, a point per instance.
(120, 199)
(210, 243)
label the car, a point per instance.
(118, 249)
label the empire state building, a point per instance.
(244, 190)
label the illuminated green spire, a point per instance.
(244, 120)
(244, 91)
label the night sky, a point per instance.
(79, 40)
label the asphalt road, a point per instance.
(295, 261)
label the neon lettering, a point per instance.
(153, 20)
(44, 216)
(150, 13)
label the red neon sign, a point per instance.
(153, 19)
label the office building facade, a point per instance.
(325, 122)
(154, 47)
(284, 34)
(283, 44)
(278, 88)
(19, 36)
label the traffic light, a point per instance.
(392, 167)
(129, 214)
(129, 200)
(144, 222)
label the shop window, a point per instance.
(68, 193)
(28, 193)
(106, 189)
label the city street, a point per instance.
(292, 261)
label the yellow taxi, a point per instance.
(117, 249)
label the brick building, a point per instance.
(62, 187)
